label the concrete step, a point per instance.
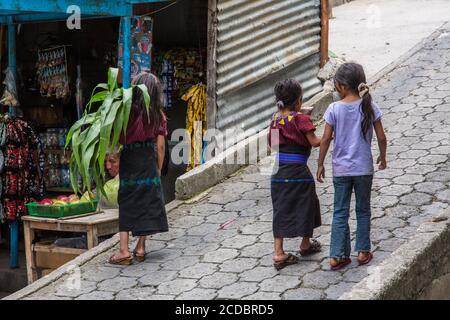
(12, 280)
(4, 294)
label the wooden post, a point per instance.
(324, 32)
(29, 237)
(92, 238)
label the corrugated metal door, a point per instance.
(258, 43)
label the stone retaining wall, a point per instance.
(414, 270)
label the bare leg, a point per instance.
(123, 251)
(140, 246)
(305, 244)
(279, 254)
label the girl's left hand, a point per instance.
(381, 163)
(320, 173)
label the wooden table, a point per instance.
(94, 225)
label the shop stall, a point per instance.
(51, 68)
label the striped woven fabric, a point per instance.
(140, 182)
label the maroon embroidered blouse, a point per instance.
(139, 130)
(291, 129)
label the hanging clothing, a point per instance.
(23, 173)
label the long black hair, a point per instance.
(287, 93)
(155, 91)
(351, 76)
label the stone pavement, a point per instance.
(195, 260)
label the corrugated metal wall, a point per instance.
(260, 42)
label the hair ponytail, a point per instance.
(352, 76)
(366, 109)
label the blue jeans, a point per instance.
(340, 231)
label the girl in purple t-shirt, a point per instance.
(351, 120)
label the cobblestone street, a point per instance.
(196, 260)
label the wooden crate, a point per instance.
(49, 256)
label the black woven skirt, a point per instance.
(141, 202)
(296, 208)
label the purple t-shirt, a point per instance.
(352, 155)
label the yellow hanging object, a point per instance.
(281, 122)
(290, 118)
(196, 121)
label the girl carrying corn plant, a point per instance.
(141, 203)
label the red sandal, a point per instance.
(341, 264)
(368, 258)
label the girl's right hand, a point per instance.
(320, 173)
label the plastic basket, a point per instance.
(51, 211)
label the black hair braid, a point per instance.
(287, 93)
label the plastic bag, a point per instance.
(9, 97)
(112, 189)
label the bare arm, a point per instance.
(382, 144)
(324, 146)
(160, 145)
(313, 139)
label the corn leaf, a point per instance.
(117, 127)
(105, 134)
(96, 133)
(144, 90)
(112, 78)
(74, 174)
(99, 96)
(87, 119)
(127, 100)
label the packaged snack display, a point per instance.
(57, 159)
(179, 69)
(52, 72)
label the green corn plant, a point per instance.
(96, 133)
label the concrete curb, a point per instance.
(77, 262)
(412, 268)
(223, 165)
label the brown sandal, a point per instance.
(121, 261)
(315, 247)
(290, 260)
(138, 258)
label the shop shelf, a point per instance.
(59, 190)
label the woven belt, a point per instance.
(140, 182)
(292, 158)
(138, 145)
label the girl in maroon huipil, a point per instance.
(141, 202)
(296, 210)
